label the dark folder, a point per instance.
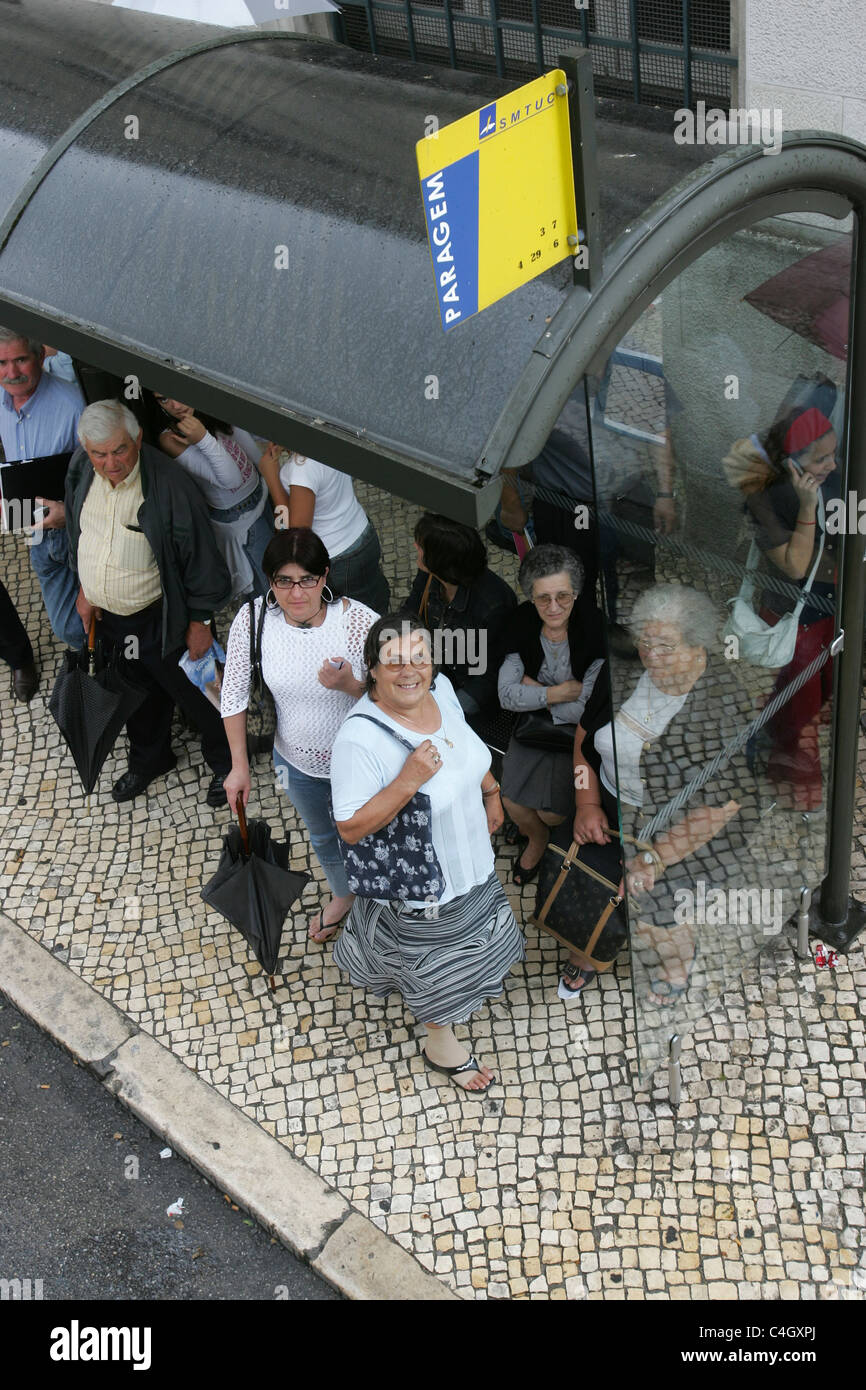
(21, 483)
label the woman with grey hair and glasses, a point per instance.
(554, 652)
(685, 708)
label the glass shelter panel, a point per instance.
(717, 431)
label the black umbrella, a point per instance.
(253, 887)
(91, 701)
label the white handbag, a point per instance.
(760, 643)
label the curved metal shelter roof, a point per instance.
(150, 246)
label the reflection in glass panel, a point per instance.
(715, 433)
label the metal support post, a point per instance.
(803, 923)
(842, 916)
(675, 1079)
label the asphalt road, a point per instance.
(84, 1193)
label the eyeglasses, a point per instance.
(545, 600)
(307, 581)
(663, 648)
(416, 661)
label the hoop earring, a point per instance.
(330, 598)
(271, 595)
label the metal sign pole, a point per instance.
(577, 66)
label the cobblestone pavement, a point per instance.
(569, 1180)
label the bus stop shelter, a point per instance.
(237, 222)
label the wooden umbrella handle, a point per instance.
(242, 822)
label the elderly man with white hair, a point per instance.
(148, 566)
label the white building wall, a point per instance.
(304, 24)
(808, 58)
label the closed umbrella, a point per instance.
(253, 887)
(91, 701)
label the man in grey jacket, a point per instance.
(148, 566)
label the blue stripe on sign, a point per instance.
(451, 209)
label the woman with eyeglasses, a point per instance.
(223, 461)
(554, 654)
(685, 708)
(313, 665)
(415, 803)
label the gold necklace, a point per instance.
(405, 718)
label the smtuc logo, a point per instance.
(486, 120)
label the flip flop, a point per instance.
(324, 933)
(470, 1065)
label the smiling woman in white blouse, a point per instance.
(416, 803)
(313, 665)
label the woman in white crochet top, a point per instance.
(313, 665)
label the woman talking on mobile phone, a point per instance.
(787, 479)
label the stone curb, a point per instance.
(233, 1152)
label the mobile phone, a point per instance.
(334, 662)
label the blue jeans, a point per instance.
(357, 573)
(49, 557)
(257, 541)
(311, 798)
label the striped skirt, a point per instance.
(444, 968)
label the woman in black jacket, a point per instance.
(553, 653)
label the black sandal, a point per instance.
(573, 972)
(520, 875)
(470, 1065)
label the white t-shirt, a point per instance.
(339, 520)
(643, 716)
(308, 713)
(364, 759)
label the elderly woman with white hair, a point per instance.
(149, 571)
(554, 652)
(682, 711)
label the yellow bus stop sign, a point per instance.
(498, 191)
